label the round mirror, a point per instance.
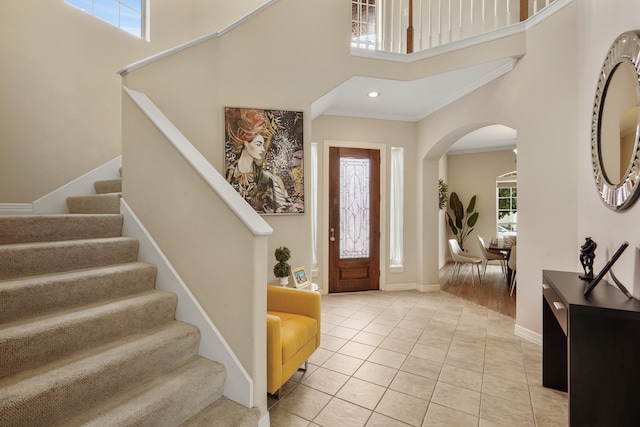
(615, 130)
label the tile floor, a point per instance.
(417, 359)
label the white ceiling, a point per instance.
(413, 100)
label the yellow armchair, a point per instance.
(293, 332)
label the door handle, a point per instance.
(333, 234)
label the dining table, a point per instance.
(502, 245)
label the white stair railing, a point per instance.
(435, 22)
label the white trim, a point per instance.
(16, 208)
(56, 201)
(264, 420)
(324, 263)
(528, 335)
(254, 222)
(238, 385)
(194, 42)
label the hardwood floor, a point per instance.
(492, 293)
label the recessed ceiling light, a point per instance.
(374, 94)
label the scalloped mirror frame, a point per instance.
(624, 52)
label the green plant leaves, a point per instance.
(465, 220)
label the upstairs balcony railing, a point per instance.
(407, 26)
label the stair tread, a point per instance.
(37, 340)
(147, 404)
(225, 412)
(39, 228)
(86, 378)
(32, 296)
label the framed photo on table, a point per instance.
(300, 277)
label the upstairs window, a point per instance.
(128, 15)
(363, 24)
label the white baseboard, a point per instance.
(264, 420)
(428, 288)
(390, 287)
(528, 335)
(16, 208)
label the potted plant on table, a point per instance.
(282, 269)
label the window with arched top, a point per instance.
(507, 204)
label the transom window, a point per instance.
(128, 15)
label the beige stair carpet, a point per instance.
(86, 339)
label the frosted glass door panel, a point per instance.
(354, 207)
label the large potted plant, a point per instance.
(282, 269)
(465, 219)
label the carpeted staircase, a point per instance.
(86, 339)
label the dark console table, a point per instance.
(591, 348)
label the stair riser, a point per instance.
(108, 186)
(24, 229)
(42, 258)
(67, 391)
(95, 204)
(37, 296)
(25, 346)
(169, 400)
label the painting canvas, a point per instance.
(264, 158)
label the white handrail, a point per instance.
(194, 42)
(250, 218)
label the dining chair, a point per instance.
(459, 258)
(488, 255)
(512, 266)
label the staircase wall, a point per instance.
(211, 249)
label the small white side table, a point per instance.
(310, 286)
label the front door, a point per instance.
(354, 219)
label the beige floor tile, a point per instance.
(413, 385)
(379, 420)
(465, 360)
(422, 367)
(429, 352)
(354, 323)
(506, 412)
(506, 371)
(320, 356)
(341, 413)
(442, 342)
(388, 358)
(331, 343)
(387, 320)
(304, 402)
(405, 334)
(342, 363)
(377, 374)
(342, 332)
(506, 389)
(378, 328)
(325, 380)
(356, 349)
(440, 416)
(368, 338)
(461, 377)
(362, 393)
(332, 318)
(364, 315)
(396, 344)
(402, 407)
(281, 418)
(458, 398)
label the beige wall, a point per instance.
(213, 15)
(475, 174)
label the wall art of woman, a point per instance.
(249, 136)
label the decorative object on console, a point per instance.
(282, 269)
(587, 255)
(264, 158)
(615, 149)
(300, 277)
(605, 269)
(465, 220)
